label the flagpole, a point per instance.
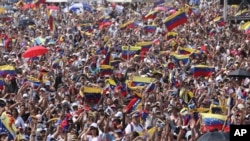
(225, 10)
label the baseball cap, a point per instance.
(136, 115)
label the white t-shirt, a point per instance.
(135, 128)
(19, 122)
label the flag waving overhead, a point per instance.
(7, 69)
(202, 70)
(128, 52)
(91, 94)
(214, 121)
(175, 20)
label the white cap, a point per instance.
(119, 114)
(25, 95)
(42, 89)
(74, 104)
(94, 125)
(240, 106)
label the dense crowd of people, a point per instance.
(97, 82)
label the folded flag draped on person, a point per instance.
(7, 69)
(150, 28)
(132, 105)
(91, 94)
(202, 70)
(106, 70)
(214, 121)
(179, 57)
(178, 18)
(219, 21)
(130, 51)
(7, 125)
(151, 15)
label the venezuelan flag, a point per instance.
(86, 33)
(186, 95)
(132, 104)
(86, 27)
(106, 70)
(91, 93)
(107, 59)
(126, 24)
(115, 63)
(7, 69)
(132, 25)
(51, 23)
(145, 46)
(186, 50)
(242, 13)
(7, 125)
(129, 52)
(150, 132)
(111, 83)
(103, 51)
(183, 58)
(36, 82)
(219, 21)
(171, 35)
(56, 63)
(144, 114)
(104, 25)
(1, 83)
(103, 19)
(202, 70)
(175, 20)
(149, 28)
(141, 81)
(151, 15)
(64, 124)
(214, 121)
(247, 30)
(150, 87)
(245, 26)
